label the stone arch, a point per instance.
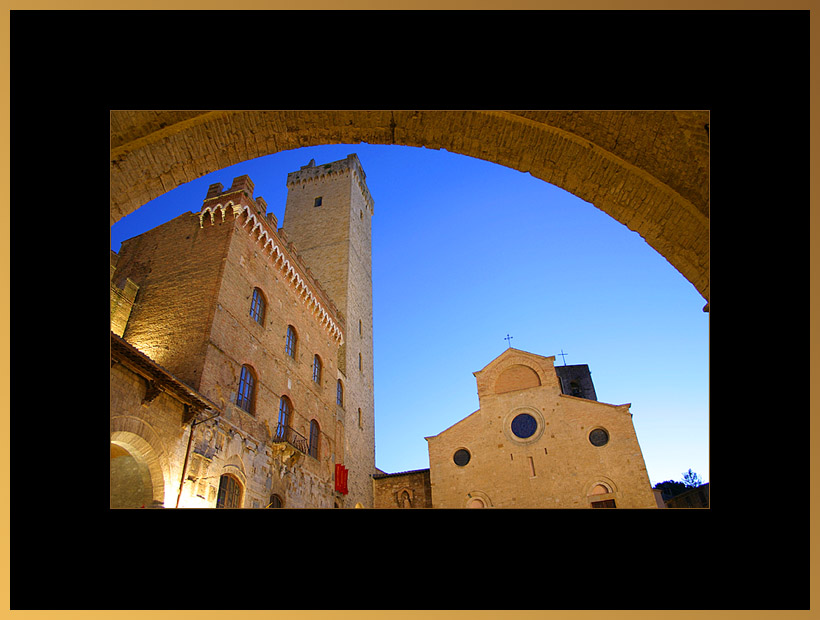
(516, 377)
(477, 499)
(235, 467)
(401, 494)
(648, 170)
(149, 463)
(608, 486)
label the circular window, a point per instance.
(524, 425)
(599, 437)
(461, 457)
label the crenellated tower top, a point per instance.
(349, 165)
(238, 204)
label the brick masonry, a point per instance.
(196, 276)
(409, 489)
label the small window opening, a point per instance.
(317, 370)
(258, 306)
(290, 342)
(317, 202)
(313, 449)
(244, 395)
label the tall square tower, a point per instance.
(327, 218)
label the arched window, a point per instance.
(230, 492)
(575, 389)
(285, 409)
(258, 306)
(314, 439)
(290, 342)
(340, 393)
(317, 369)
(275, 501)
(244, 395)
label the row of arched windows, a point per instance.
(257, 313)
(245, 400)
(248, 381)
(245, 394)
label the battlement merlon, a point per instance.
(241, 194)
(311, 172)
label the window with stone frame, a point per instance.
(245, 393)
(290, 342)
(313, 446)
(258, 306)
(285, 409)
(230, 492)
(317, 369)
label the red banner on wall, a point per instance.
(341, 478)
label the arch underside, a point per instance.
(648, 170)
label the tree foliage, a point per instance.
(691, 479)
(670, 488)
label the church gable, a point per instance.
(515, 370)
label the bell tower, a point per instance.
(327, 217)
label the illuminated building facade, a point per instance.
(241, 371)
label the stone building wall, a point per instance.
(410, 489)
(197, 274)
(147, 437)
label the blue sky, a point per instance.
(466, 252)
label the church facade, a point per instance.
(242, 375)
(539, 439)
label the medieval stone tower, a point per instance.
(327, 217)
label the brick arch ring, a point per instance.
(648, 170)
(143, 443)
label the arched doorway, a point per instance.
(137, 477)
(230, 492)
(130, 479)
